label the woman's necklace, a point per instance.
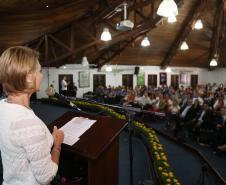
(16, 102)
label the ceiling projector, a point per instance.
(125, 25)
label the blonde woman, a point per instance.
(30, 154)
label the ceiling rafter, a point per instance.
(184, 31)
(85, 31)
(217, 31)
(140, 29)
(110, 54)
(119, 37)
(46, 48)
(59, 42)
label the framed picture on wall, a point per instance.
(163, 78)
(84, 79)
(184, 78)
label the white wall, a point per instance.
(114, 78)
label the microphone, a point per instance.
(62, 98)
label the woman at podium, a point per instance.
(30, 153)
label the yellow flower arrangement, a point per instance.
(163, 168)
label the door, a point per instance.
(194, 80)
(127, 80)
(175, 81)
(98, 80)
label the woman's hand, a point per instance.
(58, 137)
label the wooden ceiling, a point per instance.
(65, 31)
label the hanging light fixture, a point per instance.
(85, 62)
(172, 19)
(145, 42)
(184, 46)
(198, 24)
(168, 70)
(213, 62)
(108, 69)
(105, 36)
(167, 8)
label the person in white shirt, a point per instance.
(25, 141)
(64, 85)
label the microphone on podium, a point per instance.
(62, 98)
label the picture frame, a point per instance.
(84, 79)
(184, 78)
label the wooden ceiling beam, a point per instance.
(143, 28)
(183, 33)
(107, 11)
(46, 48)
(84, 30)
(59, 42)
(108, 55)
(39, 43)
(141, 14)
(218, 27)
(59, 61)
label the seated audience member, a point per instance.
(144, 100)
(160, 104)
(189, 115)
(129, 98)
(222, 148)
(206, 119)
(99, 91)
(219, 137)
(205, 123)
(174, 111)
(182, 116)
(168, 103)
(218, 104)
(50, 91)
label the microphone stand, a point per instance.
(130, 113)
(204, 172)
(130, 116)
(66, 100)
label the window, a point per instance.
(152, 80)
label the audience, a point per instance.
(193, 111)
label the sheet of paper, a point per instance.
(75, 128)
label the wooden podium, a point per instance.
(97, 149)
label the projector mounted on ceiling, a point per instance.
(125, 24)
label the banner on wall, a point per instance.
(140, 79)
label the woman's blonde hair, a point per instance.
(15, 64)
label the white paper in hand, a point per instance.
(75, 128)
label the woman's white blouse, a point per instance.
(25, 144)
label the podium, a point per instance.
(97, 150)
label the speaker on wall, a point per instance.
(136, 71)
